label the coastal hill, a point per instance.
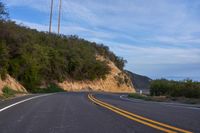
(140, 82)
(36, 59)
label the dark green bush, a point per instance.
(8, 92)
(4, 58)
(50, 89)
(138, 96)
(104, 51)
(186, 88)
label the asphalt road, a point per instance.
(76, 113)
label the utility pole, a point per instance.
(50, 22)
(59, 16)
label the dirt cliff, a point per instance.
(11, 83)
(117, 81)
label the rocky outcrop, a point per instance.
(11, 83)
(117, 81)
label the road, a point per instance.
(96, 113)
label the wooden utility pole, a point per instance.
(51, 12)
(60, 6)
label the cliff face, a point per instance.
(11, 83)
(117, 81)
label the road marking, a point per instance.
(154, 124)
(7, 107)
(132, 118)
(178, 105)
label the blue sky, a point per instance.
(158, 38)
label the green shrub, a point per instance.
(138, 96)
(50, 89)
(8, 92)
(3, 60)
(120, 80)
(186, 88)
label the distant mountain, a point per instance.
(140, 82)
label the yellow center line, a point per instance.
(132, 118)
(143, 118)
(138, 118)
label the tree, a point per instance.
(3, 12)
(39, 58)
(3, 60)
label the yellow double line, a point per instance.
(140, 119)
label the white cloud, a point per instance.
(138, 54)
(171, 23)
(32, 25)
(157, 55)
(40, 5)
(70, 30)
(162, 21)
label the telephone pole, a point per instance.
(59, 16)
(50, 22)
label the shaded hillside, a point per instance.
(38, 58)
(140, 81)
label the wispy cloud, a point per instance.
(157, 55)
(32, 25)
(143, 31)
(161, 21)
(41, 5)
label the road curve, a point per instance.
(75, 113)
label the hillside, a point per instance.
(140, 82)
(37, 59)
(115, 81)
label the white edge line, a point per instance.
(7, 107)
(124, 97)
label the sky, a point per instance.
(158, 38)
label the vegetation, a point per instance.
(50, 89)
(34, 57)
(138, 96)
(8, 92)
(163, 90)
(104, 51)
(122, 79)
(186, 88)
(3, 60)
(165, 99)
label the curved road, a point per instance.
(76, 113)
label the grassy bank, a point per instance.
(170, 88)
(52, 88)
(165, 99)
(162, 90)
(9, 93)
